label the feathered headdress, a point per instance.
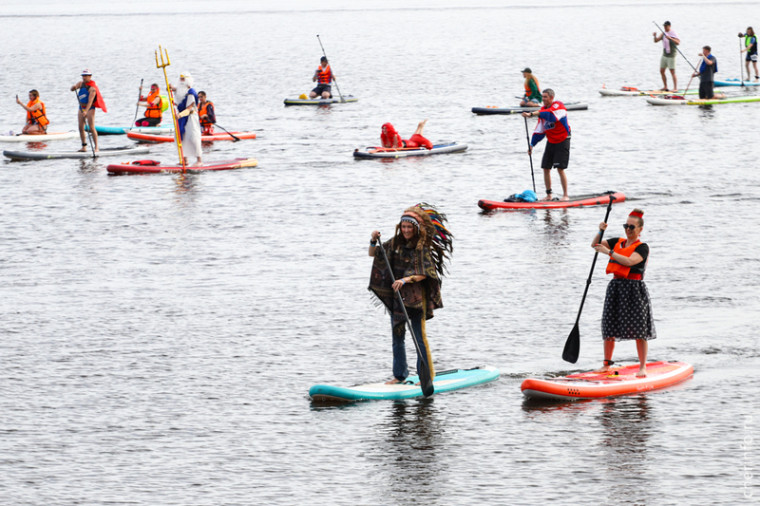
(433, 233)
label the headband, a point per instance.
(409, 219)
(636, 214)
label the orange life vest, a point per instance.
(203, 112)
(39, 116)
(619, 270)
(154, 110)
(324, 76)
(528, 91)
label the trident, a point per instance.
(165, 63)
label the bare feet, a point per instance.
(604, 368)
(642, 373)
(565, 198)
(548, 197)
(82, 149)
(393, 381)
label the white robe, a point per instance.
(191, 140)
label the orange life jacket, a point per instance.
(619, 270)
(528, 91)
(324, 76)
(153, 110)
(203, 112)
(39, 116)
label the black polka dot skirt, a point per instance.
(627, 311)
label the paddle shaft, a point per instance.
(530, 154)
(593, 263)
(687, 86)
(425, 381)
(84, 122)
(235, 139)
(333, 76)
(741, 69)
(676, 46)
(139, 96)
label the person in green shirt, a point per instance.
(532, 97)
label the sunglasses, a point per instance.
(629, 227)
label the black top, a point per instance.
(642, 249)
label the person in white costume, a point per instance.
(187, 117)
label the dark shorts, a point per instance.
(751, 57)
(556, 156)
(148, 122)
(321, 88)
(706, 89)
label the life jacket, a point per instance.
(528, 91)
(39, 116)
(619, 270)
(154, 110)
(324, 75)
(84, 96)
(389, 136)
(203, 111)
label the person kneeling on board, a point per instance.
(627, 309)
(323, 76)
(153, 104)
(206, 114)
(36, 116)
(552, 124)
(532, 97)
(392, 140)
(706, 73)
(417, 253)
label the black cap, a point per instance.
(527, 69)
(666, 23)
(324, 58)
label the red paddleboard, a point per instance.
(142, 137)
(154, 167)
(579, 201)
(617, 381)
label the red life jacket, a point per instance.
(203, 112)
(39, 116)
(98, 102)
(154, 110)
(324, 75)
(620, 270)
(528, 91)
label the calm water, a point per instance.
(160, 334)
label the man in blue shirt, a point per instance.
(706, 73)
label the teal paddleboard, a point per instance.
(445, 381)
(115, 130)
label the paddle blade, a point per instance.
(572, 346)
(426, 383)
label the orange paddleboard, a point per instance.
(617, 381)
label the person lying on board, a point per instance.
(36, 117)
(532, 95)
(627, 313)
(392, 140)
(323, 76)
(206, 114)
(153, 104)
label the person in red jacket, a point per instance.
(89, 98)
(392, 140)
(153, 104)
(323, 76)
(552, 124)
(206, 114)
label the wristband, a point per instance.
(373, 243)
(610, 253)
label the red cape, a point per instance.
(98, 102)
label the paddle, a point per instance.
(426, 382)
(235, 139)
(573, 343)
(676, 46)
(173, 106)
(342, 100)
(84, 121)
(137, 107)
(741, 69)
(687, 87)
(530, 155)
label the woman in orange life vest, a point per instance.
(627, 308)
(323, 76)
(36, 117)
(153, 104)
(391, 139)
(206, 114)
(89, 98)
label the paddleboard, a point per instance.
(630, 91)
(53, 155)
(712, 101)
(735, 82)
(220, 136)
(492, 109)
(617, 381)
(114, 130)
(320, 101)
(444, 381)
(379, 152)
(50, 136)
(579, 201)
(155, 167)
